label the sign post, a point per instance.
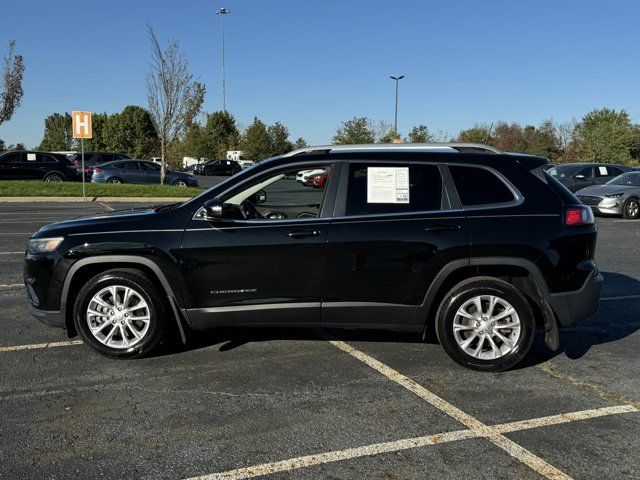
(82, 128)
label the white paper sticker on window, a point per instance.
(388, 185)
(31, 157)
(603, 171)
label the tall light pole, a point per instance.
(395, 122)
(223, 11)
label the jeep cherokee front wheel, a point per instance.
(485, 324)
(118, 312)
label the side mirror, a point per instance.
(260, 196)
(579, 177)
(213, 209)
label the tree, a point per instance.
(195, 144)
(419, 134)
(174, 97)
(96, 143)
(279, 139)
(221, 134)
(300, 143)
(11, 91)
(2, 146)
(476, 134)
(256, 142)
(57, 133)
(131, 132)
(606, 136)
(357, 130)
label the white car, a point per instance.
(303, 176)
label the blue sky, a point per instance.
(313, 64)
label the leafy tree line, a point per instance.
(602, 135)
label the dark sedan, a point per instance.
(29, 165)
(575, 176)
(139, 171)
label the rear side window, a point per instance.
(396, 188)
(478, 186)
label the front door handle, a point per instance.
(440, 228)
(303, 233)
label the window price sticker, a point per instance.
(388, 185)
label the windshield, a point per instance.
(629, 178)
(562, 171)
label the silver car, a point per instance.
(619, 196)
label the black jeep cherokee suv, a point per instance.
(480, 246)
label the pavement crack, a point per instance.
(551, 369)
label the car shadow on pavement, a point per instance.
(614, 320)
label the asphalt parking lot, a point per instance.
(243, 403)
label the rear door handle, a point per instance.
(303, 233)
(441, 228)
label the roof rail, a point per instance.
(432, 147)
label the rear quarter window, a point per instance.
(479, 186)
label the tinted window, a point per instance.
(107, 157)
(77, 157)
(13, 157)
(30, 157)
(586, 171)
(122, 156)
(150, 166)
(128, 165)
(424, 192)
(478, 186)
(604, 171)
(49, 159)
(615, 171)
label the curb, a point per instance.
(93, 199)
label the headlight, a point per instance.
(43, 245)
(614, 195)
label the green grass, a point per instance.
(28, 188)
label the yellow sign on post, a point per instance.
(81, 125)
(82, 128)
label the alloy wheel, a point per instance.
(118, 316)
(633, 208)
(486, 327)
(53, 178)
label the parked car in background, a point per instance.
(30, 165)
(139, 171)
(620, 196)
(303, 176)
(318, 180)
(220, 167)
(575, 176)
(96, 158)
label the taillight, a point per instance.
(577, 216)
(87, 169)
(97, 170)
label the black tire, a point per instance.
(464, 292)
(138, 281)
(179, 183)
(631, 209)
(115, 180)
(54, 177)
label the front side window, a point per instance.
(479, 186)
(128, 165)
(586, 172)
(375, 189)
(151, 167)
(289, 194)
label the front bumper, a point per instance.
(572, 308)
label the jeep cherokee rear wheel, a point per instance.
(485, 324)
(118, 312)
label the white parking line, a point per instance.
(12, 253)
(529, 458)
(34, 346)
(12, 285)
(415, 442)
(107, 206)
(621, 297)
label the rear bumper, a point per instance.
(51, 318)
(572, 308)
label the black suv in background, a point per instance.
(576, 176)
(31, 165)
(219, 168)
(480, 247)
